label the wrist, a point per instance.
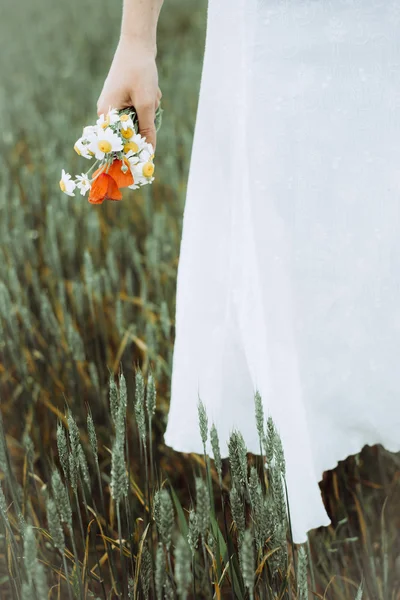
(139, 43)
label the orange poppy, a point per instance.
(107, 186)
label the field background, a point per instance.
(86, 290)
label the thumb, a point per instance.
(146, 117)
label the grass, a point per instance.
(87, 300)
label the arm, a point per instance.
(133, 76)
(139, 21)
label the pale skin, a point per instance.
(133, 77)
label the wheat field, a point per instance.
(92, 503)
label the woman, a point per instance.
(289, 272)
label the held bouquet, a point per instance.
(122, 156)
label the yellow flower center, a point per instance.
(148, 169)
(131, 146)
(104, 146)
(124, 118)
(63, 187)
(77, 150)
(106, 123)
(127, 133)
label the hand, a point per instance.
(133, 81)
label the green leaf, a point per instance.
(237, 579)
(183, 526)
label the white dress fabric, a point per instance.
(289, 271)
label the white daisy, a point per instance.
(82, 147)
(132, 159)
(102, 121)
(109, 119)
(137, 172)
(148, 169)
(104, 141)
(147, 152)
(134, 145)
(142, 172)
(113, 115)
(67, 185)
(88, 130)
(145, 155)
(128, 133)
(146, 145)
(149, 148)
(83, 183)
(126, 122)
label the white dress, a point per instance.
(289, 272)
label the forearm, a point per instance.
(139, 21)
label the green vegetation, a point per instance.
(92, 503)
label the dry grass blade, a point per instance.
(105, 557)
(54, 410)
(264, 559)
(224, 572)
(116, 545)
(328, 586)
(86, 556)
(138, 492)
(361, 520)
(217, 591)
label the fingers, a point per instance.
(146, 116)
(145, 112)
(118, 98)
(101, 108)
(104, 104)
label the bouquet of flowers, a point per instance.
(122, 156)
